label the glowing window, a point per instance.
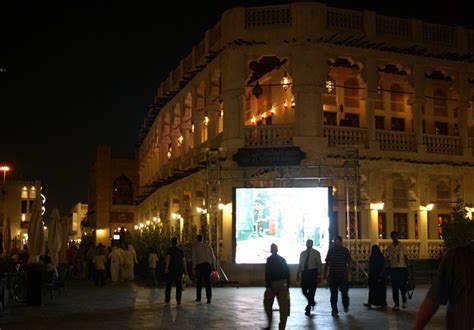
(32, 193)
(24, 192)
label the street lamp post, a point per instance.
(5, 169)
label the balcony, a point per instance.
(344, 136)
(443, 144)
(396, 141)
(269, 136)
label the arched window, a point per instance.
(32, 193)
(122, 191)
(351, 93)
(397, 99)
(440, 105)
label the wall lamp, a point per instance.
(427, 207)
(377, 206)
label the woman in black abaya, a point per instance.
(377, 279)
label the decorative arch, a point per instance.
(122, 191)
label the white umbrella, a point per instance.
(54, 236)
(7, 238)
(35, 232)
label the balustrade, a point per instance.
(344, 19)
(396, 141)
(269, 136)
(393, 27)
(340, 136)
(275, 15)
(443, 144)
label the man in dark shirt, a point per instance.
(175, 266)
(338, 261)
(453, 285)
(277, 280)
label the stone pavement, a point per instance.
(131, 306)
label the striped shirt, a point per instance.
(338, 260)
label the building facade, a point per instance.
(308, 85)
(112, 189)
(16, 202)
(74, 217)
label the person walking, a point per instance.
(453, 285)
(277, 283)
(377, 278)
(99, 261)
(204, 262)
(115, 257)
(338, 262)
(175, 267)
(152, 260)
(309, 268)
(397, 259)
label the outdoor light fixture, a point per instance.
(192, 127)
(293, 103)
(147, 222)
(221, 113)
(154, 219)
(285, 104)
(180, 139)
(206, 119)
(329, 86)
(169, 151)
(285, 81)
(377, 206)
(4, 169)
(427, 207)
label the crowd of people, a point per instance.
(453, 284)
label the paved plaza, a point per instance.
(131, 306)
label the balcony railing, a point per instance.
(341, 136)
(443, 144)
(396, 141)
(435, 248)
(269, 136)
(274, 15)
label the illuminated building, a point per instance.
(16, 202)
(112, 187)
(392, 94)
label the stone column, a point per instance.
(371, 77)
(374, 227)
(196, 121)
(464, 96)
(418, 100)
(423, 232)
(234, 68)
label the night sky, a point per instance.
(76, 74)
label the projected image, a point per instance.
(284, 216)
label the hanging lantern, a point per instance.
(329, 86)
(257, 90)
(285, 104)
(293, 103)
(285, 81)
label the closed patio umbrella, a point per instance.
(64, 239)
(7, 238)
(36, 232)
(54, 236)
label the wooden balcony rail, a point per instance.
(269, 136)
(275, 15)
(443, 144)
(396, 141)
(340, 136)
